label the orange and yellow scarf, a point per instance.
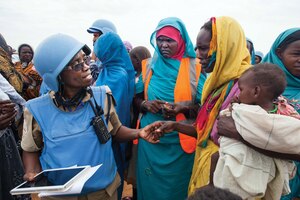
(231, 59)
(228, 44)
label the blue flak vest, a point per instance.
(70, 139)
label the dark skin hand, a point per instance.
(169, 126)
(164, 127)
(226, 127)
(31, 164)
(171, 110)
(7, 113)
(153, 106)
(152, 129)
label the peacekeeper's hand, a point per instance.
(165, 127)
(29, 176)
(153, 106)
(149, 134)
(7, 113)
(226, 127)
(86, 76)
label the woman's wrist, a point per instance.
(137, 134)
(143, 107)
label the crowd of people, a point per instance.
(210, 120)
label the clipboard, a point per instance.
(59, 179)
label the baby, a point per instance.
(241, 169)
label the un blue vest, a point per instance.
(70, 139)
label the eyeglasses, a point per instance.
(78, 67)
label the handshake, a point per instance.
(153, 132)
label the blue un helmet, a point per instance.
(259, 54)
(103, 26)
(54, 54)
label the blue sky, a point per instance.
(30, 21)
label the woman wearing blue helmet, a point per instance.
(98, 28)
(73, 123)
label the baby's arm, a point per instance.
(213, 164)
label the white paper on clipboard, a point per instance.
(76, 187)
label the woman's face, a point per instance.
(290, 57)
(77, 74)
(202, 49)
(167, 46)
(26, 54)
(96, 36)
(257, 59)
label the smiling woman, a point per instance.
(72, 113)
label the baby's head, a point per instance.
(212, 193)
(261, 84)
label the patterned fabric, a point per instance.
(213, 42)
(32, 80)
(232, 59)
(11, 168)
(209, 112)
(285, 108)
(12, 95)
(9, 73)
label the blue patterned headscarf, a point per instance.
(292, 90)
(118, 72)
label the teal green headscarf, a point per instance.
(166, 69)
(158, 59)
(292, 90)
